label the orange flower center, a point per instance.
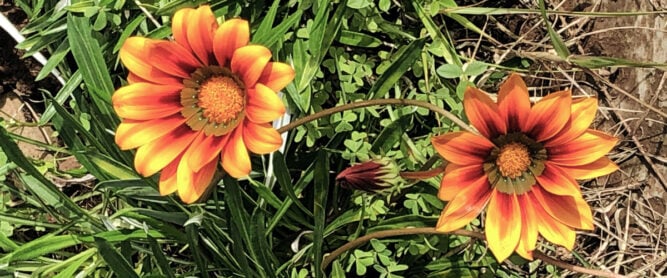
(213, 100)
(513, 159)
(221, 99)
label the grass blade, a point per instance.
(405, 60)
(556, 40)
(118, 264)
(319, 208)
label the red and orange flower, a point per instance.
(523, 167)
(207, 97)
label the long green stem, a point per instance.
(429, 230)
(373, 102)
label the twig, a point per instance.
(373, 102)
(149, 15)
(430, 230)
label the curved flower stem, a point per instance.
(373, 102)
(422, 175)
(429, 230)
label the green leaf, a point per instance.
(319, 208)
(160, 258)
(192, 232)
(556, 40)
(112, 167)
(277, 34)
(72, 264)
(449, 71)
(594, 62)
(39, 247)
(62, 95)
(475, 68)
(405, 60)
(358, 39)
(89, 58)
(451, 57)
(118, 264)
(14, 154)
(391, 134)
(129, 29)
(56, 57)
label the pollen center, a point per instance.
(213, 100)
(513, 159)
(221, 99)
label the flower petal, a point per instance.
(168, 181)
(173, 58)
(264, 105)
(462, 148)
(503, 224)
(601, 167)
(249, 62)
(482, 113)
(133, 78)
(457, 178)
(231, 35)
(556, 181)
(261, 138)
(131, 134)
(548, 116)
(193, 185)
(204, 149)
(133, 54)
(146, 101)
(154, 156)
(529, 229)
(200, 30)
(589, 147)
(277, 75)
(552, 229)
(514, 102)
(179, 26)
(571, 211)
(464, 207)
(235, 158)
(583, 114)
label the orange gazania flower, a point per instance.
(206, 97)
(522, 167)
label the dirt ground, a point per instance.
(629, 205)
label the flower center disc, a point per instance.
(213, 100)
(221, 99)
(513, 160)
(512, 166)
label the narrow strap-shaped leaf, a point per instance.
(192, 232)
(39, 247)
(160, 259)
(282, 176)
(118, 264)
(62, 95)
(391, 134)
(405, 60)
(434, 31)
(556, 40)
(240, 219)
(88, 57)
(319, 208)
(14, 154)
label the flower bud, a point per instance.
(371, 176)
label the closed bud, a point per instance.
(371, 176)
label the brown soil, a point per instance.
(20, 99)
